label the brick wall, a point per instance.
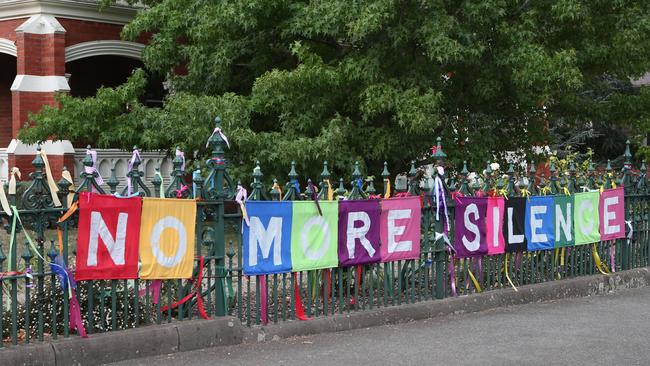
(57, 162)
(7, 28)
(28, 102)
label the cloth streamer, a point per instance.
(50, 180)
(68, 177)
(180, 154)
(196, 292)
(599, 264)
(135, 156)
(387, 194)
(261, 281)
(161, 192)
(217, 130)
(240, 198)
(154, 289)
(441, 200)
(4, 202)
(93, 168)
(314, 197)
(300, 310)
(12, 179)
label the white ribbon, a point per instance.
(444, 237)
(240, 198)
(218, 130)
(439, 191)
(3, 200)
(12, 180)
(629, 235)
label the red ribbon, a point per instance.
(197, 292)
(403, 194)
(179, 192)
(300, 310)
(261, 280)
(456, 195)
(74, 317)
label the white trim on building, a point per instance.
(8, 47)
(41, 24)
(34, 83)
(88, 10)
(101, 48)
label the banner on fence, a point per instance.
(314, 236)
(496, 244)
(612, 214)
(167, 238)
(540, 227)
(514, 224)
(359, 232)
(564, 234)
(586, 221)
(267, 240)
(470, 239)
(399, 228)
(109, 231)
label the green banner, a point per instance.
(314, 237)
(564, 232)
(586, 220)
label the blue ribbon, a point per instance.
(360, 184)
(67, 281)
(297, 186)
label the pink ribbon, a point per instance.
(154, 289)
(452, 275)
(223, 137)
(181, 155)
(612, 256)
(136, 155)
(179, 192)
(75, 321)
(261, 280)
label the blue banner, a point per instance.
(540, 223)
(267, 237)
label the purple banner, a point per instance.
(358, 232)
(470, 236)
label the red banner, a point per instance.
(109, 233)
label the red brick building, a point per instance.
(50, 46)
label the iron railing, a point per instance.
(35, 309)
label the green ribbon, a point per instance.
(162, 186)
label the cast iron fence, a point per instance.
(34, 307)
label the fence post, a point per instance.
(440, 255)
(629, 191)
(219, 188)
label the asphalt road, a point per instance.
(611, 329)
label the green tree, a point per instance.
(372, 80)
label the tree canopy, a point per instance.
(370, 80)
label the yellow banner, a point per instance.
(167, 238)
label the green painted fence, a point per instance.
(34, 309)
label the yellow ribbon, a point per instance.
(330, 192)
(508, 276)
(546, 190)
(476, 285)
(503, 192)
(611, 177)
(67, 176)
(566, 191)
(601, 189)
(555, 258)
(12, 180)
(50, 180)
(599, 264)
(3, 200)
(387, 194)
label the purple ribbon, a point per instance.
(93, 169)
(134, 157)
(439, 191)
(223, 137)
(314, 196)
(181, 155)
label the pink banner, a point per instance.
(494, 223)
(400, 228)
(612, 214)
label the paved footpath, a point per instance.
(610, 329)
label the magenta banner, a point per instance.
(470, 235)
(494, 222)
(358, 232)
(400, 228)
(612, 214)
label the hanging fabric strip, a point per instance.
(197, 292)
(599, 264)
(135, 156)
(12, 239)
(630, 233)
(314, 197)
(12, 180)
(154, 290)
(181, 155)
(474, 281)
(612, 255)
(240, 198)
(59, 232)
(556, 256)
(330, 191)
(387, 194)
(93, 169)
(68, 177)
(276, 187)
(300, 310)
(452, 274)
(261, 280)
(439, 190)
(50, 180)
(223, 137)
(74, 316)
(508, 276)
(161, 192)
(4, 202)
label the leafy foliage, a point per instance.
(371, 80)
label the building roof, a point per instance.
(120, 13)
